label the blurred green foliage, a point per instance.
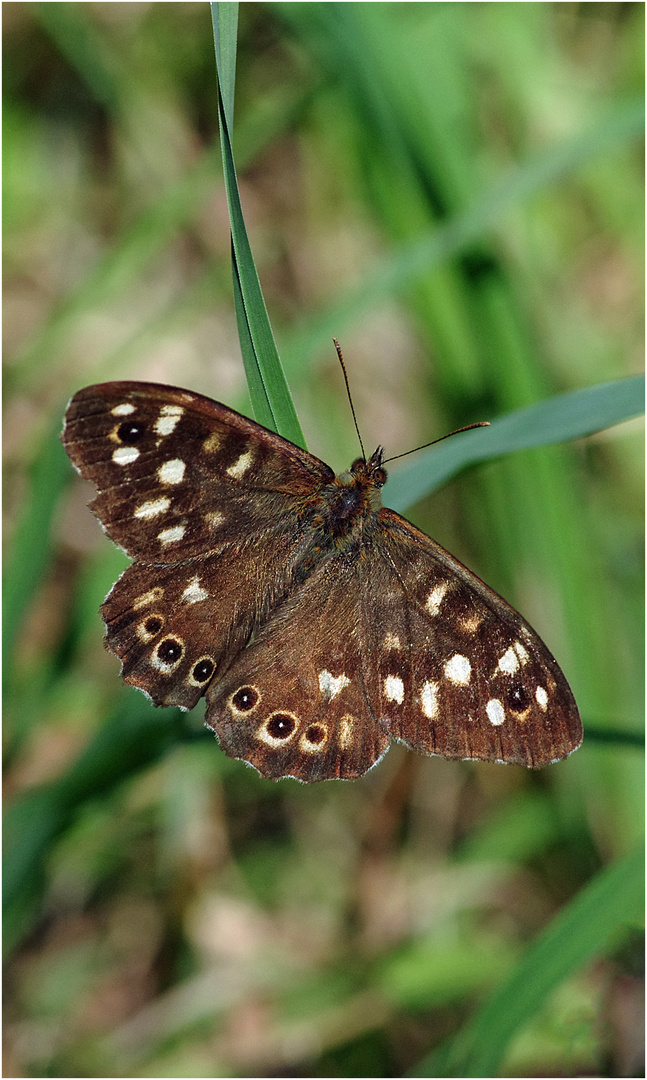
(456, 191)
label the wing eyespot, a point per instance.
(202, 671)
(131, 432)
(245, 699)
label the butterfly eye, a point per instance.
(358, 465)
(131, 432)
(379, 477)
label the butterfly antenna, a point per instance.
(352, 407)
(469, 427)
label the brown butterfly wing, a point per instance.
(449, 667)
(210, 504)
(180, 475)
(175, 627)
(294, 703)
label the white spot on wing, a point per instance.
(152, 508)
(394, 689)
(167, 421)
(458, 670)
(346, 725)
(214, 518)
(331, 685)
(148, 598)
(240, 467)
(509, 662)
(123, 410)
(436, 597)
(392, 641)
(429, 699)
(541, 697)
(522, 653)
(194, 592)
(495, 711)
(211, 443)
(171, 472)
(125, 455)
(172, 535)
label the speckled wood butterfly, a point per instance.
(319, 624)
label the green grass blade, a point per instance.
(583, 930)
(268, 389)
(615, 737)
(224, 20)
(559, 419)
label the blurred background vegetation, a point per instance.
(168, 912)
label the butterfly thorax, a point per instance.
(351, 497)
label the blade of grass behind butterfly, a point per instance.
(559, 419)
(596, 919)
(268, 389)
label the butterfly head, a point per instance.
(352, 496)
(371, 470)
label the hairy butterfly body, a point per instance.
(319, 624)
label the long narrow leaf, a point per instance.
(268, 389)
(567, 416)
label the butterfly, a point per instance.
(319, 624)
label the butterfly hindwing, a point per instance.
(293, 703)
(176, 627)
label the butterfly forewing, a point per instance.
(319, 625)
(180, 475)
